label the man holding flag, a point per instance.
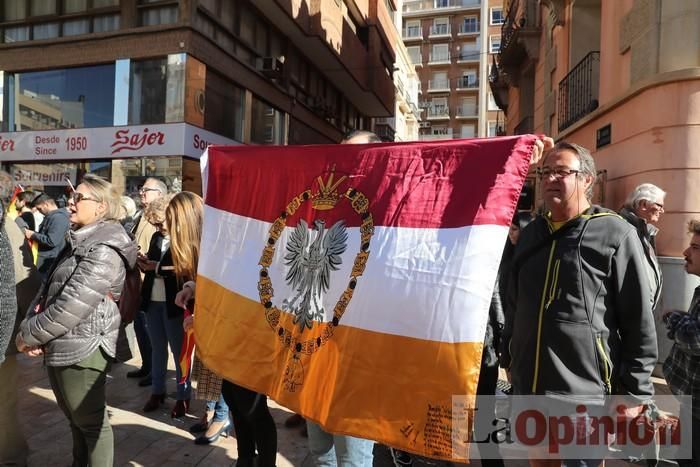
(579, 324)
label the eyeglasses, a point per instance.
(146, 190)
(557, 173)
(659, 206)
(77, 197)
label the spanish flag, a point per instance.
(351, 283)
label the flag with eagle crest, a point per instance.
(351, 283)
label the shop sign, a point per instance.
(35, 175)
(170, 139)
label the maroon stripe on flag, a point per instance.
(422, 185)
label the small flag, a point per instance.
(11, 208)
(186, 352)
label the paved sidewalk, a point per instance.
(155, 439)
(152, 439)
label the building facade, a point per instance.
(136, 88)
(610, 75)
(403, 126)
(452, 44)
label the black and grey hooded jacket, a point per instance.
(579, 319)
(78, 309)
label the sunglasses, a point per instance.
(78, 197)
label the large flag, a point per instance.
(351, 283)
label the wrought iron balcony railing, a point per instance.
(578, 91)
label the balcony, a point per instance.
(467, 56)
(438, 85)
(578, 91)
(412, 34)
(441, 31)
(418, 7)
(439, 59)
(467, 83)
(520, 36)
(432, 137)
(468, 111)
(439, 113)
(469, 28)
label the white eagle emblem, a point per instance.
(310, 265)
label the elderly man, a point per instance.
(643, 209)
(151, 190)
(583, 328)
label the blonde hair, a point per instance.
(155, 211)
(104, 192)
(183, 219)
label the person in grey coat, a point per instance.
(75, 321)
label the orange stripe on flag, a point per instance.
(374, 373)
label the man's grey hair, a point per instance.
(159, 184)
(585, 159)
(647, 191)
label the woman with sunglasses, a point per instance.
(75, 321)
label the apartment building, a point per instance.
(135, 88)
(452, 43)
(403, 125)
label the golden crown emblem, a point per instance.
(327, 196)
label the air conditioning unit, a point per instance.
(424, 125)
(270, 67)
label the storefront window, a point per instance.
(17, 34)
(128, 175)
(267, 124)
(46, 31)
(68, 98)
(157, 90)
(76, 27)
(225, 107)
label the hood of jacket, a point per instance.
(111, 234)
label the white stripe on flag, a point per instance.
(449, 271)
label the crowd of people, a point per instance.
(572, 315)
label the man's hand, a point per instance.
(35, 351)
(188, 323)
(184, 296)
(542, 146)
(28, 234)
